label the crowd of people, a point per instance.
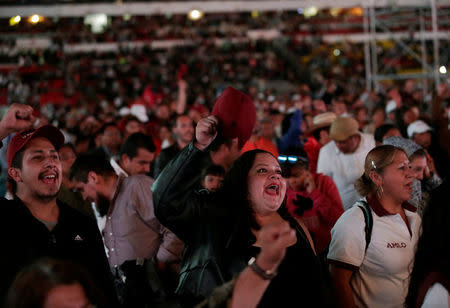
(184, 178)
(166, 206)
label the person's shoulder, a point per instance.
(9, 207)
(323, 178)
(169, 149)
(138, 179)
(436, 296)
(368, 139)
(352, 216)
(328, 149)
(73, 216)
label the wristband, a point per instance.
(264, 274)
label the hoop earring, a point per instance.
(379, 191)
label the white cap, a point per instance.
(390, 106)
(418, 127)
(140, 112)
(124, 111)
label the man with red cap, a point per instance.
(237, 115)
(35, 223)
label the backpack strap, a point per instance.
(368, 219)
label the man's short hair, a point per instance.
(137, 141)
(131, 119)
(181, 115)
(105, 126)
(218, 141)
(382, 130)
(86, 163)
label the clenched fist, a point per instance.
(205, 132)
(274, 239)
(17, 118)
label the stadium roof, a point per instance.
(72, 8)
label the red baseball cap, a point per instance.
(237, 115)
(20, 139)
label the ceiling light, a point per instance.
(310, 11)
(195, 14)
(34, 19)
(14, 20)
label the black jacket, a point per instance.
(164, 157)
(75, 238)
(218, 243)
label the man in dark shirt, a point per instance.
(35, 224)
(184, 132)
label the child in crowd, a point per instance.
(212, 177)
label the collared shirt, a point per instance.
(132, 231)
(114, 161)
(381, 273)
(345, 169)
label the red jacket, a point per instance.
(312, 149)
(326, 209)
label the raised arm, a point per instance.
(177, 206)
(250, 287)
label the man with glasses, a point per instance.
(343, 158)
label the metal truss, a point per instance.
(421, 44)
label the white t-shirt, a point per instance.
(381, 274)
(345, 169)
(436, 297)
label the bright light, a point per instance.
(126, 17)
(443, 70)
(255, 14)
(14, 20)
(300, 10)
(98, 22)
(357, 11)
(336, 52)
(195, 14)
(335, 11)
(35, 19)
(310, 11)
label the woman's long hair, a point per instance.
(234, 191)
(433, 243)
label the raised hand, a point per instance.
(17, 118)
(273, 240)
(205, 132)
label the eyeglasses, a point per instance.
(292, 159)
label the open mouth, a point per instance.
(48, 178)
(409, 186)
(272, 189)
